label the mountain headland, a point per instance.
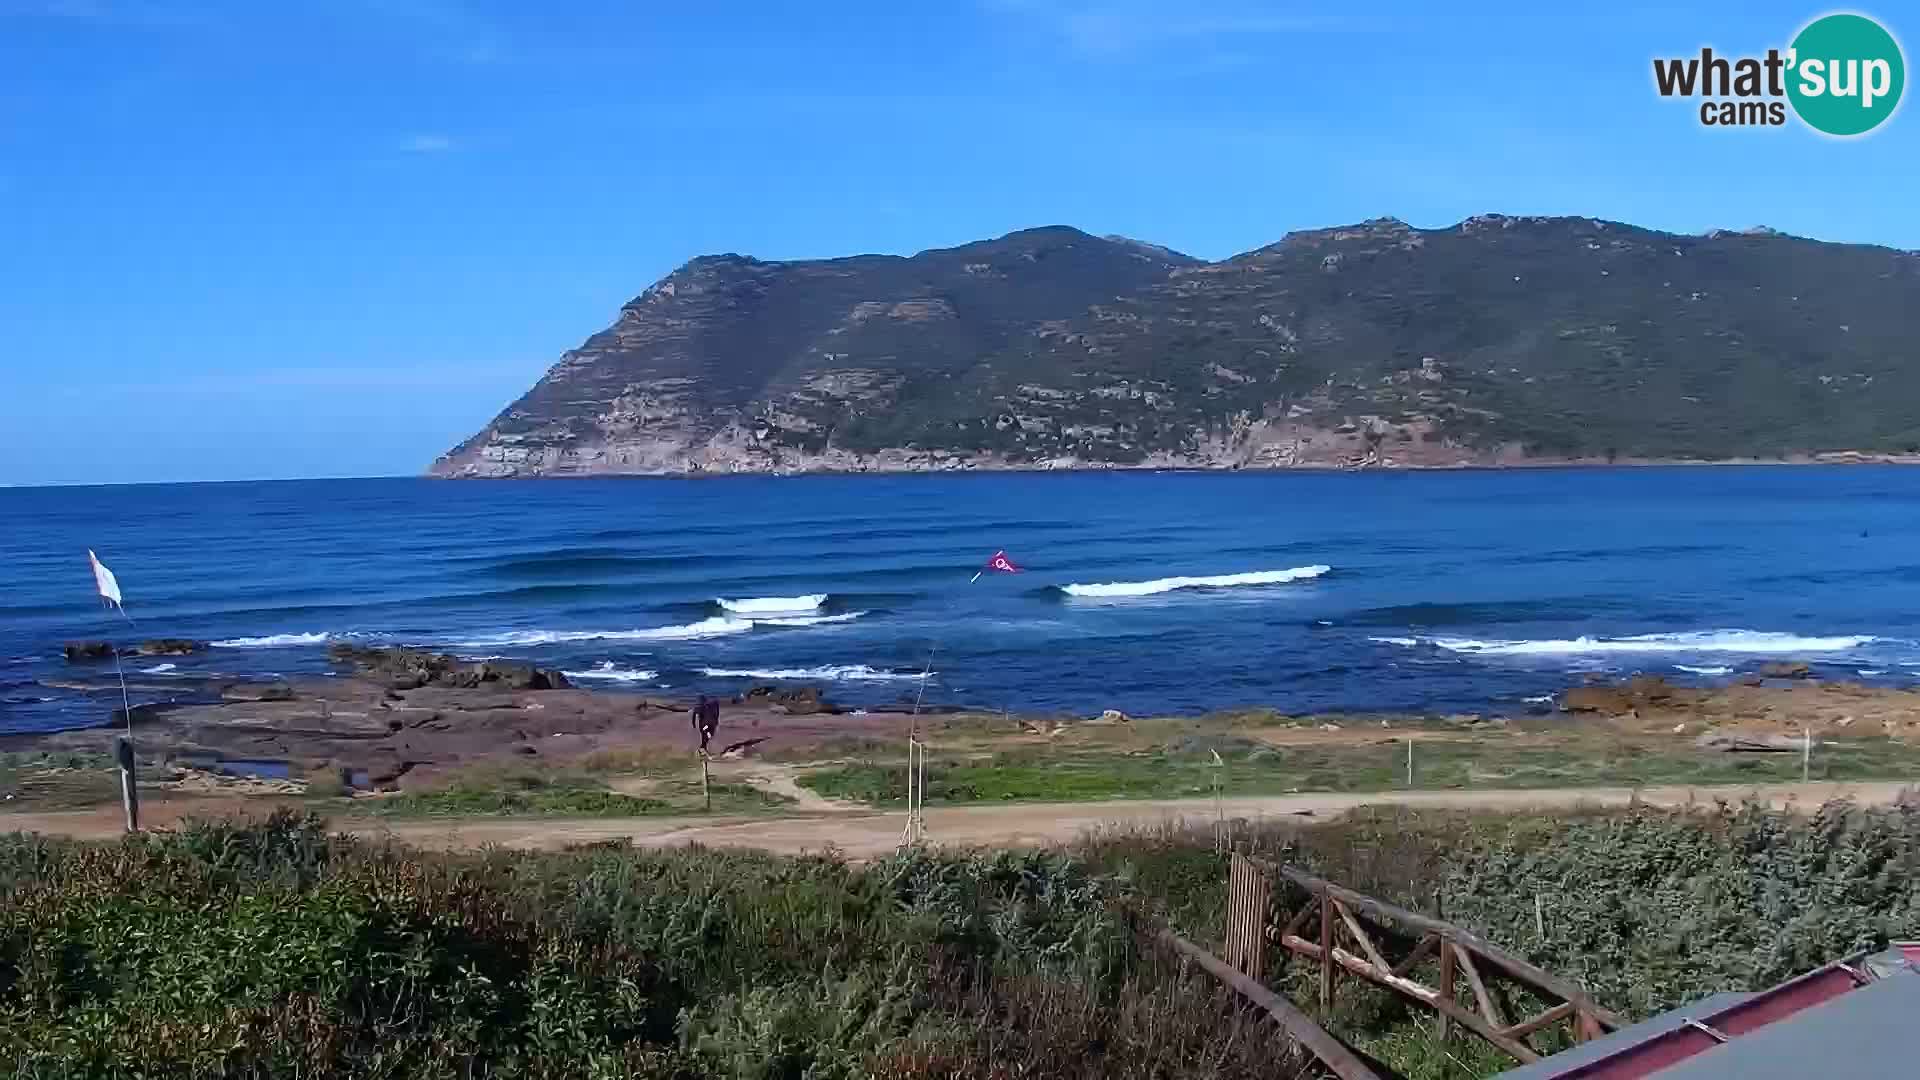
(1498, 341)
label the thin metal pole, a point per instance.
(126, 706)
(1409, 761)
(129, 776)
(917, 759)
(1806, 753)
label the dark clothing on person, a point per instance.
(706, 719)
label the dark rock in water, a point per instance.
(1785, 669)
(81, 651)
(257, 692)
(410, 669)
(169, 647)
(797, 701)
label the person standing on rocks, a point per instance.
(706, 720)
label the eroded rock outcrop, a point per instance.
(408, 669)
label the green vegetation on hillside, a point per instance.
(1563, 337)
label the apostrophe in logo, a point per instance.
(1847, 74)
(1842, 75)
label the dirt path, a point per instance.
(866, 833)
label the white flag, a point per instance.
(104, 580)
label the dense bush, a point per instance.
(1648, 909)
(276, 950)
(1654, 910)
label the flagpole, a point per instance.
(109, 589)
(917, 758)
(917, 750)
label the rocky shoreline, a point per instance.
(908, 462)
(397, 718)
(400, 717)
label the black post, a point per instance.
(129, 793)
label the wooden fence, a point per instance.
(1356, 934)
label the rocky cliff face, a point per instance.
(1497, 341)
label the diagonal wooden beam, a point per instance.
(1298, 921)
(1360, 937)
(1511, 965)
(1551, 1016)
(1488, 1008)
(1465, 1017)
(1333, 1053)
(1420, 950)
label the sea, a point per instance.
(1152, 593)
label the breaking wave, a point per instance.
(606, 670)
(1701, 641)
(807, 620)
(1219, 581)
(850, 672)
(716, 626)
(159, 669)
(272, 641)
(765, 605)
(1716, 670)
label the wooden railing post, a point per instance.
(1446, 987)
(1326, 951)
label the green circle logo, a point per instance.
(1846, 74)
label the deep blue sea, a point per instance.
(1440, 591)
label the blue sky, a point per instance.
(248, 240)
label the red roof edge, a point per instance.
(1708, 1030)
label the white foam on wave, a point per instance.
(809, 620)
(1716, 670)
(1218, 581)
(1870, 672)
(272, 641)
(1699, 641)
(605, 669)
(850, 672)
(159, 669)
(764, 605)
(717, 626)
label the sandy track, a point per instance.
(864, 834)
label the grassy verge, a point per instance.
(1488, 763)
(275, 949)
(496, 792)
(57, 780)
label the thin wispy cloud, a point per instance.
(429, 144)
